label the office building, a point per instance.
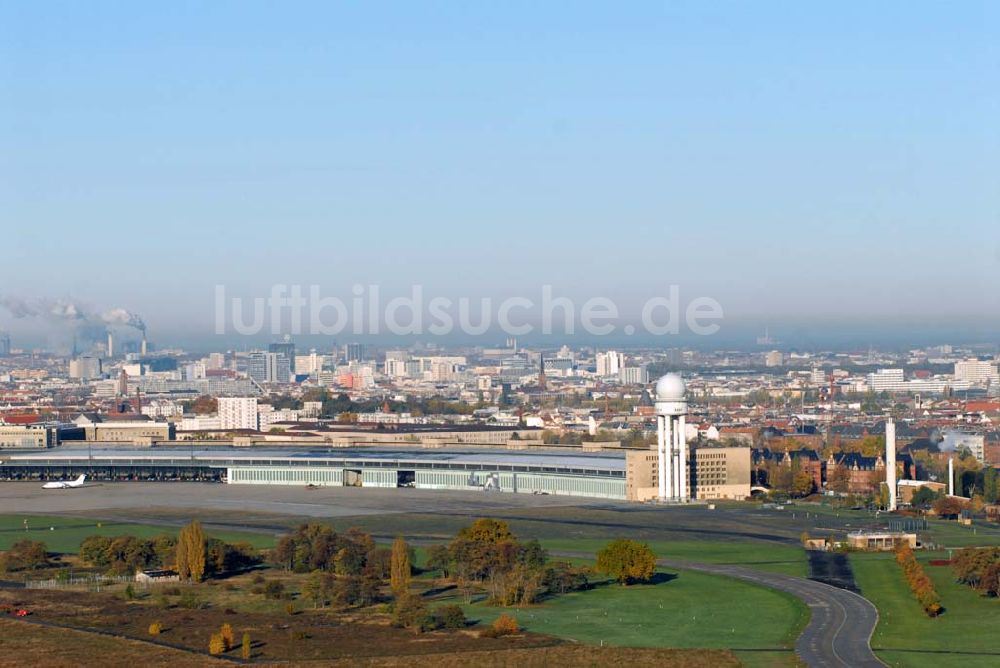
(268, 367)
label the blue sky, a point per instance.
(796, 161)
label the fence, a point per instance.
(91, 581)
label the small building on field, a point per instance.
(157, 576)
(880, 541)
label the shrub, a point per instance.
(504, 625)
(155, 629)
(246, 648)
(257, 579)
(216, 645)
(228, 639)
(290, 608)
(129, 592)
(189, 600)
(298, 635)
(274, 589)
(411, 612)
(450, 617)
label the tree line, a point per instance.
(192, 554)
(920, 584)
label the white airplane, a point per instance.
(65, 484)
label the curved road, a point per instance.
(841, 622)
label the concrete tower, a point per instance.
(671, 407)
(890, 461)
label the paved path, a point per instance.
(841, 622)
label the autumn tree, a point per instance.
(991, 488)
(24, 555)
(802, 484)
(247, 647)
(627, 561)
(949, 506)
(191, 552)
(400, 566)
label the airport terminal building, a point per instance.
(540, 471)
(625, 475)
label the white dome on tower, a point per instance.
(670, 387)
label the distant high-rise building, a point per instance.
(355, 352)
(633, 375)
(887, 380)
(238, 413)
(609, 363)
(268, 367)
(85, 368)
(4, 344)
(287, 348)
(310, 364)
(977, 372)
(216, 361)
(774, 358)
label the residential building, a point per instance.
(238, 413)
(609, 363)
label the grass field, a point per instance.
(953, 534)
(967, 635)
(688, 609)
(772, 557)
(64, 534)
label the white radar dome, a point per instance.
(670, 387)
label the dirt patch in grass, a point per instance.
(23, 643)
(305, 636)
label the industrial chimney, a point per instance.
(890, 461)
(111, 345)
(951, 476)
(142, 346)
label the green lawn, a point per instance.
(953, 534)
(64, 534)
(967, 635)
(689, 609)
(774, 557)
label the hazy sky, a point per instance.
(793, 160)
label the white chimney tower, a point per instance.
(890, 461)
(951, 476)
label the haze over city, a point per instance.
(826, 168)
